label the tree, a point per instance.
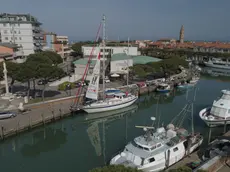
(115, 168)
(54, 57)
(46, 72)
(12, 69)
(26, 73)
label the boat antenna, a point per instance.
(103, 69)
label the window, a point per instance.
(5, 31)
(11, 38)
(4, 24)
(158, 145)
(175, 149)
(20, 38)
(18, 25)
(11, 31)
(19, 32)
(151, 159)
(6, 38)
(15, 31)
(15, 38)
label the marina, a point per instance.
(105, 135)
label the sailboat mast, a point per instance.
(103, 66)
(128, 65)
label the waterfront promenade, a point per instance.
(44, 112)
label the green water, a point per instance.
(77, 145)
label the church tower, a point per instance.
(182, 34)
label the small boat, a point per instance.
(185, 85)
(219, 113)
(163, 88)
(194, 80)
(5, 115)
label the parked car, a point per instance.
(41, 82)
(5, 115)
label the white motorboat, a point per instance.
(163, 88)
(217, 63)
(219, 113)
(158, 149)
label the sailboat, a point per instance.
(117, 101)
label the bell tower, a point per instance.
(182, 34)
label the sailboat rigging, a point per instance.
(119, 100)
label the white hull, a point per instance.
(162, 164)
(216, 66)
(211, 122)
(110, 107)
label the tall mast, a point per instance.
(128, 65)
(103, 66)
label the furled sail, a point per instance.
(93, 88)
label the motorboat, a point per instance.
(163, 88)
(219, 113)
(159, 149)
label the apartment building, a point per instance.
(23, 30)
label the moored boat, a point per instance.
(219, 113)
(116, 99)
(163, 88)
(159, 148)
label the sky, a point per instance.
(136, 19)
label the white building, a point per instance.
(109, 50)
(62, 39)
(119, 63)
(23, 30)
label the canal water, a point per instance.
(83, 142)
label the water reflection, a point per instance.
(101, 121)
(49, 139)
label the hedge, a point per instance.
(63, 86)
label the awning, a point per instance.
(115, 75)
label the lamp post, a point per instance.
(5, 77)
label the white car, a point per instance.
(107, 79)
(5, 115)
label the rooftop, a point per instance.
(144, 59)
(18, 18)
(9, 45)
(84, 62)
(120, 56)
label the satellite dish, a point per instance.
(153, 118)
(123, 154)
(145, 129)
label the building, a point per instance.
(120, 63)
(109, 50)
(62, 39)
(23, 30)
(80, 66)
(49, 41)
(11, 52)
(182, 34)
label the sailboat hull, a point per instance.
(109, 107)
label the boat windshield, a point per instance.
(225, 96)
(218, 111)
(139, 146)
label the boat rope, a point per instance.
(79, 91)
